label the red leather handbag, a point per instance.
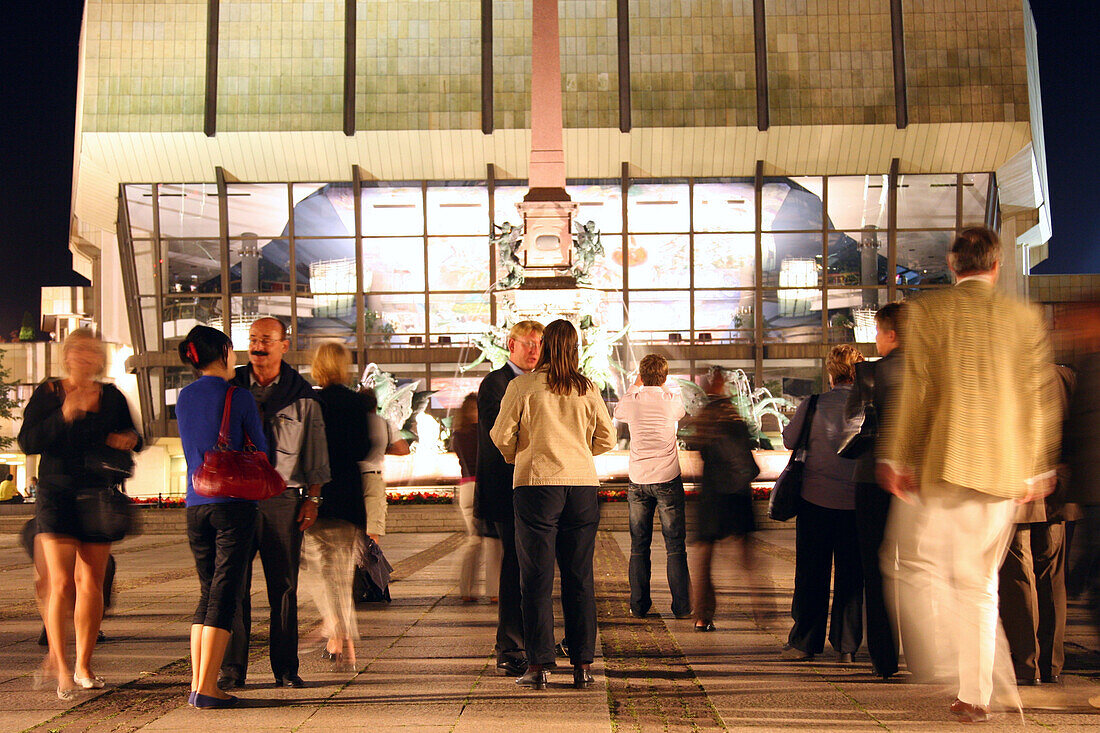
(236, 474)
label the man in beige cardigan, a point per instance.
(968, 440)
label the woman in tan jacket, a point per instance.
(551, 422)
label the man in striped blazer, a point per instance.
(968, 440)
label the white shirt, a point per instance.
(652, 413)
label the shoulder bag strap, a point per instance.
(804, 434)
(223, 434)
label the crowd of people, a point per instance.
(946, 530)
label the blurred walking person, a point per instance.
(328, 547)
(383, 440)
(220, 530)
(651, 408)
(826, 538)
(479, 541)
(724, 504)
(551, 423)
(969, 437)
(74, 423)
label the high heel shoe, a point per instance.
(95, 682)
(326, 654)
(534, 678)
(582, 677)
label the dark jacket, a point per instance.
(724, 444)
(64, 446)
(827, 481)
(1081, 447)
(293, 426)
(883, 377)
(493, 495)
(346, 432)
(464, 443)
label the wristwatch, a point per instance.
(316, 500)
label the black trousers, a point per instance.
(279, 543)
(221, 537)
(872, 508)
(509, 644)
(825, 540)
(557, 522)
(1032, 599)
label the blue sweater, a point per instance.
(199, 412)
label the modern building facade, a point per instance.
(763, 174)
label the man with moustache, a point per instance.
(298, 450)
(493, 492)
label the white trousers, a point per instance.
(475, 545)
(940, 561)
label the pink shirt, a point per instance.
(652, 413)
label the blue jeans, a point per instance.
(668, 498)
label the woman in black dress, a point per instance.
(72, 423)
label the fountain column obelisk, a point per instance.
(547, 210)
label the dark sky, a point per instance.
(38, 96)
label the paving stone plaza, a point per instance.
(425, 660)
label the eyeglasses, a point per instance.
(265, 342)
(530, 345)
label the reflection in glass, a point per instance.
(139, 209)
(798, 277)
(458, 263)
(775, 248)
(599, 202)
(182, 313)
(458, 209)
(393, 264)
(450, 391)
(653, 314)
(392, 210)
(792, 316)
(257, 208)
(794, 382)
(926, 201)
(922, 258)
(725, 206)
(146, 260)
(727, 314)
(858, 202)
(394, 317)
(459, 314)
(658, 261)
(505, 199)
(607, 270)
(189, 210)
(658, 207)
(725, 260)
(790, 204)
(975, 198)
(857, 258)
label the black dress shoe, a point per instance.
(291, 680)
(582, 678)
(1026, 682)
(226, 683)
(511, 667)
(708, 626)
(1052, 679)
(534, 678)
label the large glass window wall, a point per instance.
(699, 265)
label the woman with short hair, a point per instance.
(220, 529)
(825, 532)
(73, 422)
(552, 422)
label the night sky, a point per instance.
(39, 88)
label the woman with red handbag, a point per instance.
(215, 419)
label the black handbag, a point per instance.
(786, 495)
(106, 514)
(109, 463)
(861, 428)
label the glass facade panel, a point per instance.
(393, 263)
(150, 324)
(393, 210)
(146, 262)
(458, 263)
(258, 265)
(607, 270)
(259, 209)
(792, 315)
(725, 314)
(791, 259)
(450, 391)
(725, 260)
(194, 265)
(926, 202)
(975, 198)
(653, 314)
(458, 314)
(599, 202)
(858, 202)
(857, 258)
(852, 314)
(189, 210)
(658, 207)
(139, 209)
(728, 206)
(182, 313)
(658, 261)
(791, 204)
(458, 209)
(922, 258)
(505, 199)
(393, 318)
(797, 381)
